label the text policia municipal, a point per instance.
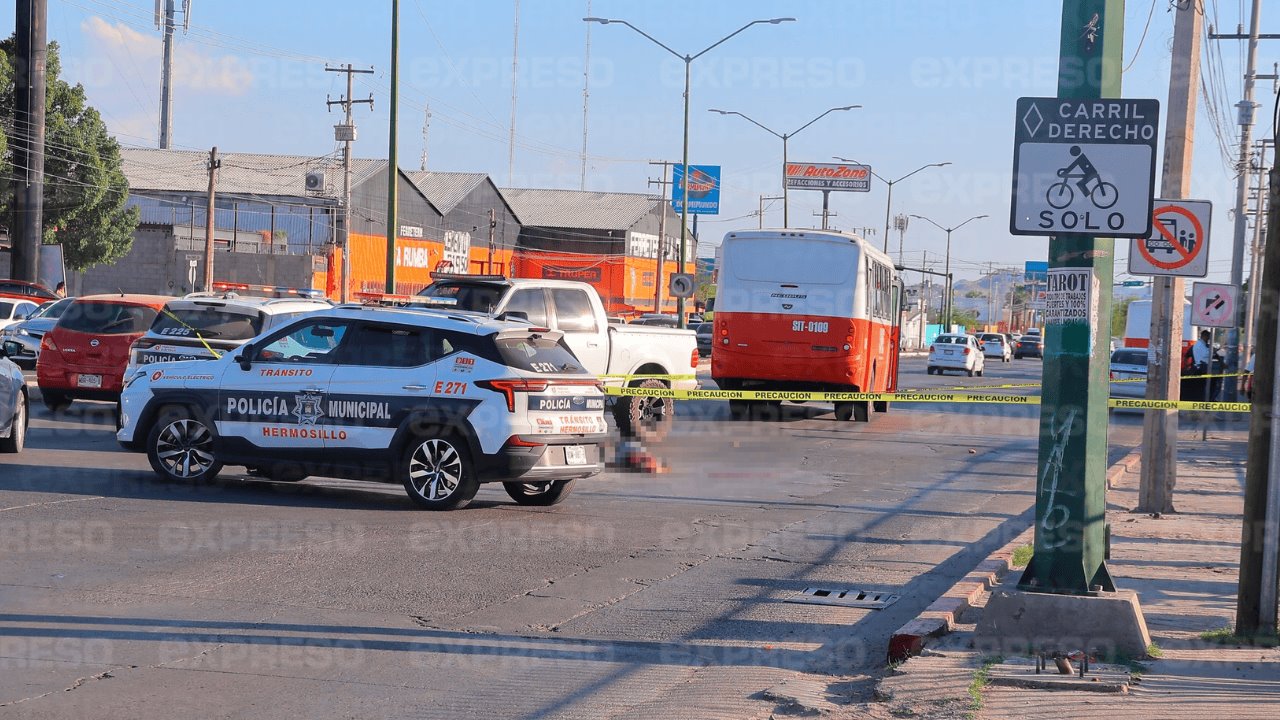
(1073, 122)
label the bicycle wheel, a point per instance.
(1060, 195)
(1105, 195)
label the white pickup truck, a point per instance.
(613, 352)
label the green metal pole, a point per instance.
(786, 201)
(1070, 529)
(393, 166)
(684, 192)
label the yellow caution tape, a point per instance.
(199, 337)
(909, 397)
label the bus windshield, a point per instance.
(813, 263)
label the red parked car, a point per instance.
(20, 290)
(85, 354)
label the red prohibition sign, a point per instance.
(1185, 256)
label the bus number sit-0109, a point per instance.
(810, 326)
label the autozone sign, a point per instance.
(829, 176)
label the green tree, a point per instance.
(975, 294)
(85, 189)
(967, 318)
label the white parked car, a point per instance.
(13, 311)
(1129, 373)
(438, 402)
(996, 345)
(956, 352)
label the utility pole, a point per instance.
(426, 137)
(1246, 108)
(1256, 597)
(27, 228)
(393, 165)
(760, 212)
(586, 99)
(346, 134)
(493, 227)
(210, 218)
(1164, 372)
(515, 69)
(165, 23)
(1070, 532)
(662, 183)
(900, 222)
(1255, 264)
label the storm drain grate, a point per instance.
(845, 598)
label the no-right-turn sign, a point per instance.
(1178, 245)
(1214, 305)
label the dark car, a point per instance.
(1028, 346)
(19, 290)
(705, 337)
(13, 402)
(656, 320)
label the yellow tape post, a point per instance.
(964, 398)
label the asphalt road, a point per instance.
(644, 595)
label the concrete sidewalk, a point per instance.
(1184, 569)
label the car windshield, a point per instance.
(208, 323)
(475, 297)
(537, 353)
(53, 310)
(107, 318)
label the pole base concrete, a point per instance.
(1106, 625)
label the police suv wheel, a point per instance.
(437, 473)
(18, 431)
(549, 492)
(180, 447)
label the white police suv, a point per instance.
(438, 401)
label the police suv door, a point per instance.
(280, 401)
(384, 371)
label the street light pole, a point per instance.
(889, 202)
(688, 62)
(948, 231)
(784, 137)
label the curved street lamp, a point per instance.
(948, 231)
(784, 137)
(889, 201)
(684, 163)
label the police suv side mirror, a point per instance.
(242, 359)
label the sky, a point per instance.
(937, 81)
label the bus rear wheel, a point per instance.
(855, 411)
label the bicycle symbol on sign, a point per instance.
(1100, 192)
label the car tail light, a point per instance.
(135, 350)
(693, 359)
(1113, 376)
(966, 351)
(509, 388)
(517, 441)
(724, 331)
(47, 343)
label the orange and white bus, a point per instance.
(805, 310)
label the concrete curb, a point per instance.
(943, 614)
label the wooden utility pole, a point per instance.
(1256, 597)
(210, 219)
(346, 134)
(662, 183)
(493, 228)
(1164, 372)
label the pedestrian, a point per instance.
(61, 289)
(1202, 359)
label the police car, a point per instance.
(204, 325)
(437, 401)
